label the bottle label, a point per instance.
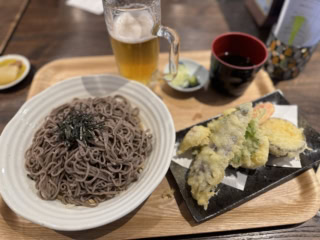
(299, 23)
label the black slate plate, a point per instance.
(258, 181)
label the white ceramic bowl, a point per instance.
(19, 192)
(24, 60)
(194, 68)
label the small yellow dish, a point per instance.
(13, 69)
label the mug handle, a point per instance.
(174, 41)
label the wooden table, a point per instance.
(50, 30)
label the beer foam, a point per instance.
(133, 26)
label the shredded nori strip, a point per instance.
(77, 126)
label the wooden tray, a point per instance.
(293, 202)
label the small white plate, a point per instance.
(194, 68)
(24, 60)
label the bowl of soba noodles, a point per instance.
(85, 152)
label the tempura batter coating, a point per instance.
(196, 136)
(207, 171)
(263, 111)
(227, 133)
(226, 138)
(260, 156)
(284, 137)
(255, 149)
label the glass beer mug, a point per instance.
(134, 27)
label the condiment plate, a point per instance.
(24, 61)
(194, 68)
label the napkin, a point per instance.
(93, 6)
(237, 179)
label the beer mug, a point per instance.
(134, 27)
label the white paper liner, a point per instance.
(93, 6)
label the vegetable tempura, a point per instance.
(227, 135)
(255, 149)
(241, 137)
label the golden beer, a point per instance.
(134, 27)
(137, 60)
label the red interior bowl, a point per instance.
(241, 44)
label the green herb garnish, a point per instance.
(183, 78)
(77, 126)
(251, 134)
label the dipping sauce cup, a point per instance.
(236, 58)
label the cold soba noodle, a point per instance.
(135, 48)
(88, 151)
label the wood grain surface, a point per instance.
(14, 10)
(291, 203)
(50, 30)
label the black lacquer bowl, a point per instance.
(259, 181)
